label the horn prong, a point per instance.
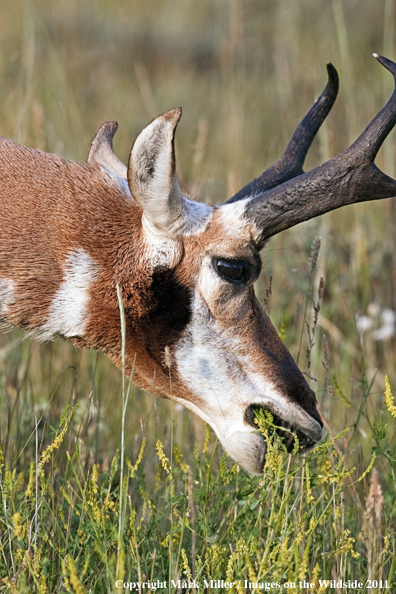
(102, 153)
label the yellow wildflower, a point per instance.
(32, 482)
(17, 526)
(186, 566)
(207, 438)
(66, 417)
(134, 468)
(369, 467)
(309, 497)
(179, 459)
(389, 399)
(74, 579)
(161, 455)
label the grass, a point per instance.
(245, 73)
(308, 518)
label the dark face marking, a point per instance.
(169, 312)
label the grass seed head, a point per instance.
(315, 251)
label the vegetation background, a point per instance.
(245, 73)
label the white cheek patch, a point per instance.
(223, 391)
(215, 368)
(207, 364)
(68, 311)
(218, 377)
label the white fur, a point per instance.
(154, 184)
(227, 387)
(233, 217)
(117, 170)
(195, 219)
(161, 249)
(68, 311)
(6, 294)
(101, 151)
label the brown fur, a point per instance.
(75, 206)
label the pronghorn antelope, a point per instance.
(71, 231)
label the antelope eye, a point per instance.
(231, 270)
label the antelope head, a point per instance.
(227, 358)
(186, 272)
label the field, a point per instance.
(92, 491)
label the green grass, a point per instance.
(67, 525)
(245, 73)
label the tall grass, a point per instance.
(245, 73)
(307, 519)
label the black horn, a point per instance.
(348, 178)
(291, 163)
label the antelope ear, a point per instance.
(152, 177)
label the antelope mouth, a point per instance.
(287, 431)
